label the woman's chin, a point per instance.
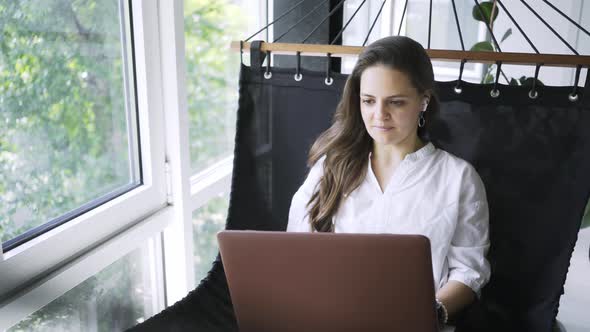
(390, 138)
(379, 139)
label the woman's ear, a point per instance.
(427, 96)
(425, 100)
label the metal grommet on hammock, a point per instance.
(298, 76)
(457, 87)
(495, 93)
(329, 80)
(573, 96)
(267, 73)
(533, 94)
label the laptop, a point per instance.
(291, 281)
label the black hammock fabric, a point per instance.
(532, 154)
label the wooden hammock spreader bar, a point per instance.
(532, 59)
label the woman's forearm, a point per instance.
(455, 296)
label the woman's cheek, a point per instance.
(408, 117)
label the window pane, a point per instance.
(67, 121)
(213, 72)
(207, 222)
(444, 30)
(444, 34)
(115, 299)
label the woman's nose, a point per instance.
(381, 111)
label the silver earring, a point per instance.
(421, 121)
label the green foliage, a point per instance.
(63, 124)
(485, 8)
(212, 78)
(483, 46)
(63, 140)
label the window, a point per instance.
(68, 130)
(444, 33)
(74, 172)
(117, 298)
(212, 74)
(207, 222)
(212, 102)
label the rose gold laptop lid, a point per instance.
(287, 281)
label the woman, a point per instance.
(374, 171)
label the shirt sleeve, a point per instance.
(470, 243)
(298, 216)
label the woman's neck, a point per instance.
(386, 158)
(391, 155)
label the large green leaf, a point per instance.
(486, 8)
(488, 79)
(483, 46)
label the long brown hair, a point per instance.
(347, 144)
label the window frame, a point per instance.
(36, 259)
(57, 284)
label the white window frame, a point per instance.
(56, 284)
(33, 265)
(211, 182)
(178, 242)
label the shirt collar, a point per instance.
(423, 152)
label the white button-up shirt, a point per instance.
(432, 193)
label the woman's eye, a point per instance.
(392, 102)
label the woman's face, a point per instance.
(390, 105)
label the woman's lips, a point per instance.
(383, 128)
